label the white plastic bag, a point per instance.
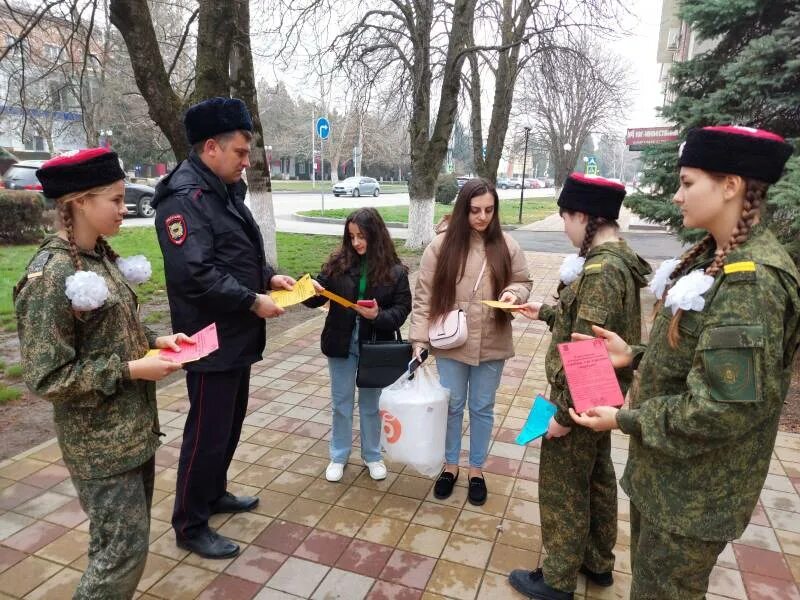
(414, 421)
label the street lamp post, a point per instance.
(524, 159)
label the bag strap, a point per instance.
(480, 276)
(397, 335)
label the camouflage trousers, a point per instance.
(578, 503)
(668, 566)
(119, 527)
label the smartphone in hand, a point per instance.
(416, 362)
(366, 303)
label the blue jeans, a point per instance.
(343, 392)
(479, 384)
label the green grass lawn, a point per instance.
(533, 209)
(297, 254)
(280, 185)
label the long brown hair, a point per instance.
(755, 195)
(381, 254)
(64, 207)
(452, 260)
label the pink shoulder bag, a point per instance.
(450, 330)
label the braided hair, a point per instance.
(64, 207)
(754, 198)
(593, 225)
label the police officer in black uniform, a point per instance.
(216, 273)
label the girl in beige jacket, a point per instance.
(451, 266)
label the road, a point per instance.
(649, 245)
(287, 203)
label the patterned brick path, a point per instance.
(360, 539)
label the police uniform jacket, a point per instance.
(703, 416)
(106, 423)
(394, 302)
(214, 262)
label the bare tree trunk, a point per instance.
(216, 28)
(508, 65)
(428, 151)
(258, 175)
(132, 19)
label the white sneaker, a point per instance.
(377, 470)
(334, 472)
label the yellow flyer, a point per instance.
(501, 305)
(302, 290)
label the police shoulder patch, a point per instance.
(36, 266)
(176, 229)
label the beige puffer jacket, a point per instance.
(489, 339)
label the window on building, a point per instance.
(51, 52)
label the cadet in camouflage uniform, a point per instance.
(577, 483)
(705, 404)
(88, 363)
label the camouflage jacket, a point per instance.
(704, 416)
(606, 294)
(106, 423)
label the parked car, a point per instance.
(462, 180)
(357, 186)
(531, 183)
(22, 176)
(505, 183)
(138, 198)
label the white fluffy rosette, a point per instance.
(571, 268)
(661, 277)
(687, 293)
(87, 290)
(135, 269)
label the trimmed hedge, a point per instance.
(446, 188)
(21, 217)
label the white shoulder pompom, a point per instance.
(571, 268)
(687, 293)
(87, 290)
(136, 269)
(661, 277)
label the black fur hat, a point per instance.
(752, 153)
(211, 117)
(592, 195)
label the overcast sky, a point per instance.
(637, 43)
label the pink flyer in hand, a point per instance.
(205, 342)
(590, 374)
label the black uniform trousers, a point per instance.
(218, 405)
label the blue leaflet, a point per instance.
(538, 419)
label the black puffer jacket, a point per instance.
(394, 302)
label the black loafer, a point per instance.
(229, 503)
(444, 485)
(532, 585)
(209, 544)
(605, 579)
(477, 491)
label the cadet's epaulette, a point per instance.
(740, 271)
(36, 266)
(593, 268)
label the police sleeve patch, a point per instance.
(176, 229)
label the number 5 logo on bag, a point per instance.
(391, 426)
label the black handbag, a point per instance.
(381, 363)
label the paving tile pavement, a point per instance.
(361, 539)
